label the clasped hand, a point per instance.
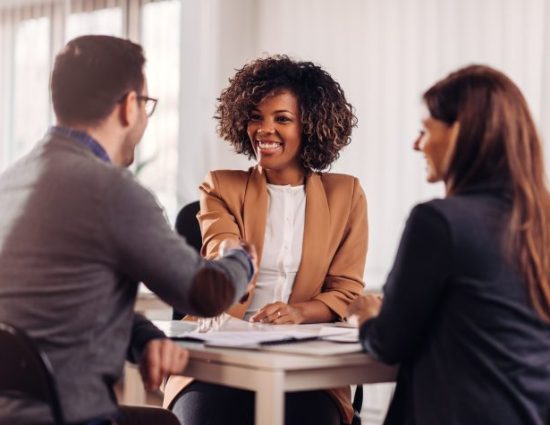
(228, 244)
(363, 308)
(278, 313)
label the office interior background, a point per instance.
(384, 53)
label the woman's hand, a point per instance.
(278, 313)
(363, 308)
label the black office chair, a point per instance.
(188, 227)
(357, 405)
(26, 371)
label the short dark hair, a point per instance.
(92, 74)
(327, 118)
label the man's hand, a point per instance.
(228, 244)
(160, 358)
(363, 308)
(278, 313)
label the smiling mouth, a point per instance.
(268, 146)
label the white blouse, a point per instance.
(282, 252)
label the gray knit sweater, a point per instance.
(76, 235)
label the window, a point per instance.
(157, 159)
(103, 21)
(29, 29)
(31, 76)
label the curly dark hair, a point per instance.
(326, 116)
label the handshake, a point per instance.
(229, 245)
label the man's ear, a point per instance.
(128, 110)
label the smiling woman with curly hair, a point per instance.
(309, 227)
(326, 117)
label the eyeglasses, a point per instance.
(150, 104)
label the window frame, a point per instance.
(12, 12)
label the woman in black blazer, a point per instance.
(466, 307)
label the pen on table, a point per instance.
(290, 340)
(244, 298)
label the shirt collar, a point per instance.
(83, 138)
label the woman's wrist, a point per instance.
(314, 311)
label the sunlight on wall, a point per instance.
(31, 72)
(104, 22)
(158, 152)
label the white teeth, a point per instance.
(265, 145)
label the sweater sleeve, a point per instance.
(414, 287)
(146, 249)
(143, 331)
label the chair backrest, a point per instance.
(26, 371)
(188, 227)
(357, 405)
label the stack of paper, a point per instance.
(237, 333)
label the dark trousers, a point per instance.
(130, 415)
(208, 404)
(135, 415)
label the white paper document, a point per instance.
(238, 333)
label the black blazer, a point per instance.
(458, 318)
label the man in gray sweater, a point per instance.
(77, 234)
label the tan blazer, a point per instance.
(234, 204)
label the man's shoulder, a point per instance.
(72, 168)
(78, 159)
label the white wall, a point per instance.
(384, 53)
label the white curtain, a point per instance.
(384, 53)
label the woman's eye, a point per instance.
(283, 119)
(255, 117)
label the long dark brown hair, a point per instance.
(498, 141)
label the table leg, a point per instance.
(270, 400)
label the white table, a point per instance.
(272, 374)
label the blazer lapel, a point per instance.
(255, 210)
(316, 239)
(254, 221)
